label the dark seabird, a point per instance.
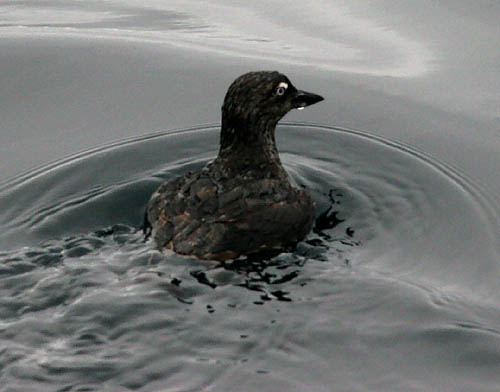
(243, 202)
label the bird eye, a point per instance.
(280, 91)
(281, 88)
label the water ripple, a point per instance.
(402, 264)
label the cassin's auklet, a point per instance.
(242, 203)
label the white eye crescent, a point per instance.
(281, 88)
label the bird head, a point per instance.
(255, 102)
(267, 94)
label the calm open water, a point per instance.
(396, 289)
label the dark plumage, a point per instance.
(241, 203)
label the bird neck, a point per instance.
(251, 140)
